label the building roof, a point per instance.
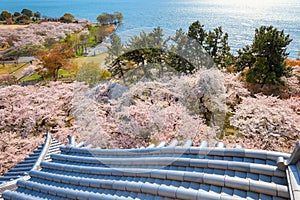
(31, 162)
(163, 172)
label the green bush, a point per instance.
(265, 58)
(91, 73)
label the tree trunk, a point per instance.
(56, 74)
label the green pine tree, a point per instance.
(269, 51)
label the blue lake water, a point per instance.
(237, 17)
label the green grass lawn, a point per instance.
(96, 59)
(62, 74)
(9, 68)
(32, 77)
(65, 74)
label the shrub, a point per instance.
(91, 73)
(265, 57)
(67, 18)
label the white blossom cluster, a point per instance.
(38, 34)
(35, 109)
(114, 116)
(151, 111)
(26, 113)
(293, 82)
(30, 69)
(267, 120)
(235, 89)
(154, 111)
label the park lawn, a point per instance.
(12, 68)
(35, 77)
(96, 59)
(65, 74)
(32, 77)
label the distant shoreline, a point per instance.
(238, 21)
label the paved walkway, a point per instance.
(24, 59)
(101, 48)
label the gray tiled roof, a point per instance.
(293, 172)
(163, 172)
(31, 162)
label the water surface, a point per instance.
(237, 17)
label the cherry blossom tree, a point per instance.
(111, 115)
(26, 113)
(267, 122)
(37, 34)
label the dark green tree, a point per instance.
(156, 37)
(27, 12)
(116, 48)
(17, 14)
(5, 15)
(119, 17)
(225, 57)
(139, 51)
(269, 50)
(214, 42)
(216, 45)
(187, 54)
(197, 32)
(149, 56)
(104, 18)
(37, 15)
(245, 59)
(23, 19)
(114, 52)
(67, 18)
